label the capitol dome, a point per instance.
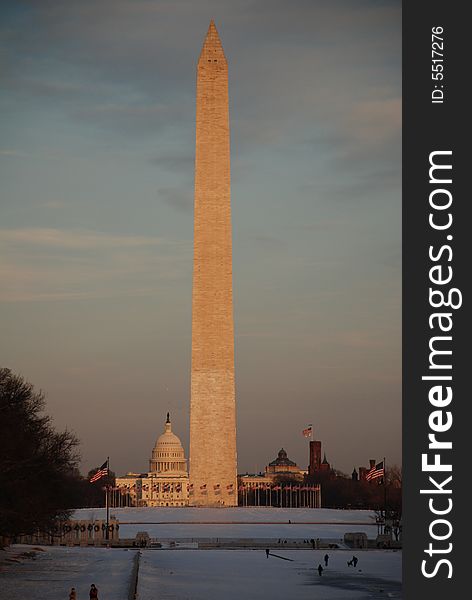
(168, 455)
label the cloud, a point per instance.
(74, 239)
(179, 198)
(47, 88)
(175, 163)
(54, 204)
(367, 181)
(144, 118)
(14, 153)
(268, 242)
(375, 120)
(289, 63)
(51, 264)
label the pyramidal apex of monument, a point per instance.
(212, 49)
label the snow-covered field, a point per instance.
(249, 575)
(241, 522)
(240, 514)
(203, 575)
(55, 570)
(193, 574)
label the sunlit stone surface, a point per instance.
(212, 406)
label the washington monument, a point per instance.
(213, 471)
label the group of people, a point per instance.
(93, 594)
(320, 568)
(353, 562)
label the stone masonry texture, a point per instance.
(213, 468)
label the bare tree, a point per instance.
(394, 476)
(38, 465)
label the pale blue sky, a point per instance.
(96, 162)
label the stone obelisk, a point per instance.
(213, 471)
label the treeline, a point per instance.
(91, 495)
(340, 491)
(39, 477)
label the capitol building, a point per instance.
(166, 483)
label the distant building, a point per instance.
(315, 457)
(281, 484)
(318, 467)
(282, 466)
(127, 490)
(166, 483)
(252, 481)
(325, 467)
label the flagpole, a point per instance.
(385, 490)
(107, 503)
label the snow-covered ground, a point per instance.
(55, 570)
(241, 522)
(240, 514)
(193, 574)
(249, 575)
(202, 575)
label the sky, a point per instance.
(97, 121)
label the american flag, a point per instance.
(307, 432)
(102, 472)
(375, 472)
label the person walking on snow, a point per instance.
(72, 594)
(93, 595)
(355, 560)
(326, 558)
(267, 552)
(320, 570)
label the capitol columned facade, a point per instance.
(166, 483)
